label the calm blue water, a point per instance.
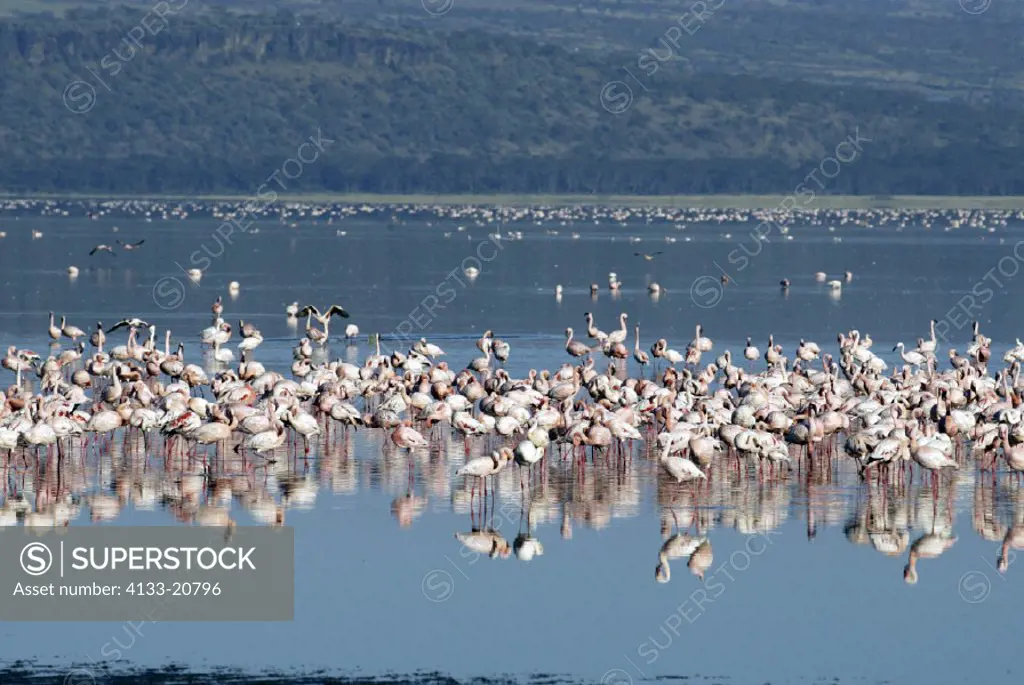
(818, 600)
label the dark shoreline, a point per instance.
(721, 201)
(29, 672)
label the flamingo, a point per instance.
(574, 347)
(639, 355)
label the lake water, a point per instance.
(806, 583)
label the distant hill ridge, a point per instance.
(215, 102)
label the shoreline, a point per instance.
(741, 202)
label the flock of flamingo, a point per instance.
(696, 415)
(291, 213)
(699, 418)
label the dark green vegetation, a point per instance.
(217, 101)
(932, 47)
